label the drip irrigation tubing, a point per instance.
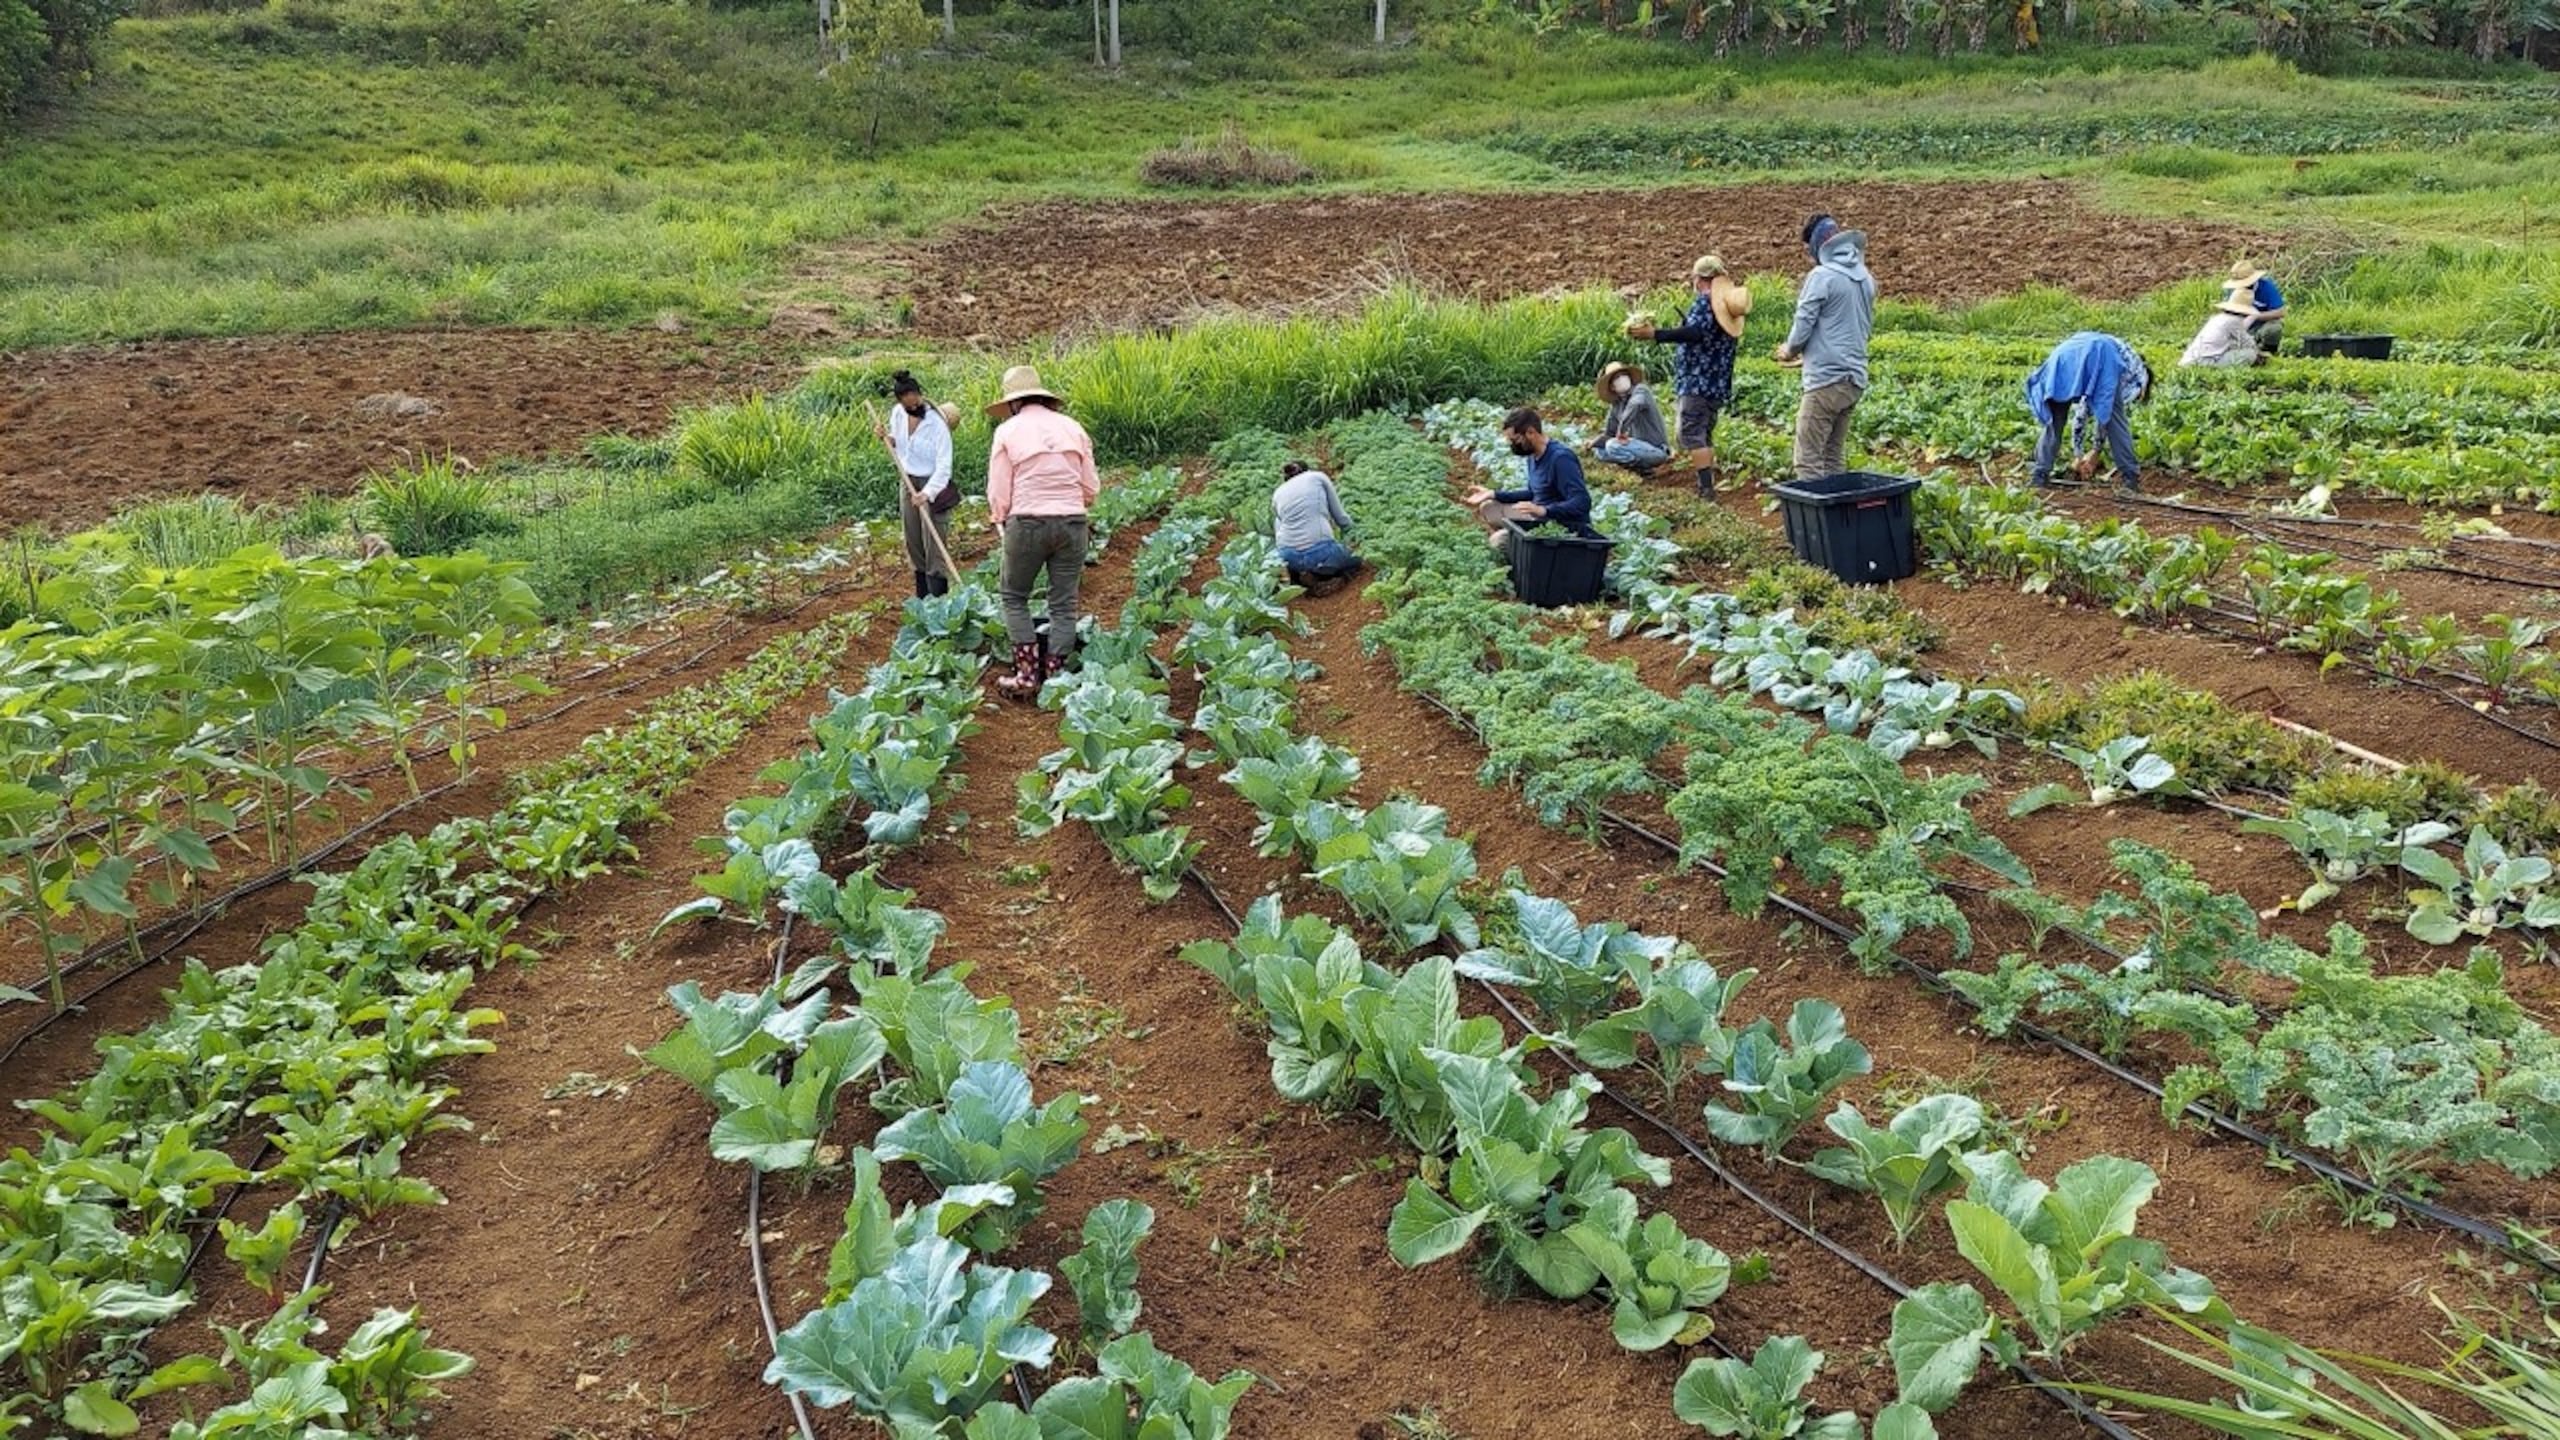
(2247, 634)
(2080, 1408)
(191, 923)
(755, 1231)
(2494, 1236)
(222, 1212)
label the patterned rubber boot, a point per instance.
(1022, 682)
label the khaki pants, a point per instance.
(923, 556)
(1822, 429)
(1034, 544)
(1498, 535)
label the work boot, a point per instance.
(924, 584)
(1707, 482)
(1022, 682)
(937, 585)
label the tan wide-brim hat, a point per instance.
(1612, 371)
(2234, 303)
(2244, 273)
(1732, 304)
(1020, 383)
(950, 414)
(1708, 267)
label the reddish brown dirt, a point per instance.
(87, 430)
(1083, 267)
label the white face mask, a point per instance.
(1622, 384)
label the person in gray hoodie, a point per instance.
(1835, 315)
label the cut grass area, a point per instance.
(247, 173)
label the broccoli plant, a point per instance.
(873, 1235)
(1569, 970)
(934, 1028)
(776, 1124)
(1288, 784)
(2065, 1255)
(1104, 1271)
(1761, 1400)
(988, 1132)
(736, 1031)
(922, 1345)
(1917, 1155)
(1405, 1031)
(1139, 1394)
(876, 928)
(1659, 1281)
(1526, 1172)
(1774, 1086)
(1299, 977)
(1677, 1020)
(1398, 866)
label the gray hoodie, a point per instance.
(1835, 313)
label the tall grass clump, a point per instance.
(1147, 396)
(193, 530)
(434, 507)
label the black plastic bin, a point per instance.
(2352, 347)
(1557, 567)
(1855, 525)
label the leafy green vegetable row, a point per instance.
(2402, 1075)
(331, 1047)
(1545, 1199)
(916, 1329)
(151, 714)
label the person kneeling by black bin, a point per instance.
(1555, 495)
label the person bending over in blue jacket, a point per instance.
(2101, 377)
(1555, 494)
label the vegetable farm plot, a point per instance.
(1748, 1009)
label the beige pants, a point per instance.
(1492, 513)
(1822, 429)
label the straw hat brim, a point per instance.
(2234, 305)
(996, 411)
(1732, 305)
(1612, 371)
(950, 414)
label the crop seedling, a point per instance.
(2342, 849)
(2491, 890)
(1104, 1271)
(988, 1132)
(1774, 1087)
(2119, 768)
(1763, 1399)
(1916, 1156)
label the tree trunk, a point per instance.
(823, 17)
(1382, 22)
(950, 23)
(1097, 32)
(1115, 34)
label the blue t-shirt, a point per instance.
(2263, 295)
(1555, 482)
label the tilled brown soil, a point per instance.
(88, 430)
(1081, 267)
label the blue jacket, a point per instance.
(1555, 481)
(2094, 370)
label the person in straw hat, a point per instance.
(2224, 340)
(919, 437)
(1702, 364)
(2101, 377)
(1041, 484)
(2266, 304)
(1632, 435)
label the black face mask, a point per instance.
(913, 407)
(1519, 447)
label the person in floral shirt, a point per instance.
(1705, 343)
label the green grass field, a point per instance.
(292, 169)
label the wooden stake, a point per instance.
(2341, 746)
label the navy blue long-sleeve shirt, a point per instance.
(1556, 484)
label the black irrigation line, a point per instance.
(755, 1232)
(1714, 1338)
(2249, 634)
(189, 924)
(2483, 1231)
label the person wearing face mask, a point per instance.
(1632, 435)
(1555, 494)
(1706, 342)
(1835, 316)
(919, 437)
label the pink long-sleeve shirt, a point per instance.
(1041, 464)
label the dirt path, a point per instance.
(87, 430)
(1081, 267)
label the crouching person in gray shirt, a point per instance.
(1309, 523)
